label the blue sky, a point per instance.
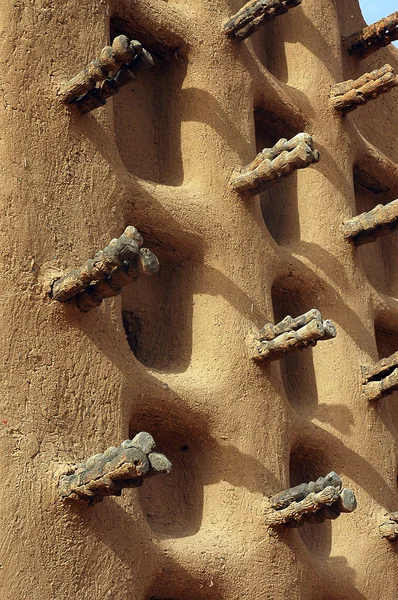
(373, 10)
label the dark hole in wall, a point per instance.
(279, 203)
(308, 464)
(147, 121)
(157, 314)
(387, 342)
(378, 258)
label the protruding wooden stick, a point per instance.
(381, 379)
(346, 503)
(127, 73)
(389, 529)
(373, 37)
(104, 276)
(271, 164)
(270, 331)
(114, 255)
(298, 333)
(380, 369)
(145, 263)
(299, 492)
(348, 95)
(375, 390)
(117, 468)
(254, 14)
(110, 59)
(368, 226)
(314, 501)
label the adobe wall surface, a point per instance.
(159, 156)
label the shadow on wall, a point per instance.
(278, 204)
(294, 292)
(291, 296)
(297, 367)
(307, 464)
(173, 505)
(294, 28)
(157, 314)
(378, 258)
(122, 536)
(147, 117)
(387, 408)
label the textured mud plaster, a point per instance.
(159, 156)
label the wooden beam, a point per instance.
(373, 37)
(271, 164)
(295, 334)
(109, 473)
(109, 59)
(389, 529)
(329, 503)
(369, 226)
(254, 14)
(104, 276)
(350, 94)
(127, 73)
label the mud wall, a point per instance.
(159, 156)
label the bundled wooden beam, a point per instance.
(348, 95)
(104, 276)
(110, 59)
(299, 492)
(389, 529)
(124, 58)
(273, 341)
(371, 225)
(117, 468)
(271, 164)
(315, 502)
(381, 379)
(345, 503)
(373, 37)
(145, 263)
(126, 74)
(254, 14)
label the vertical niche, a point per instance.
(386, 335)
(308, 463)
(157, 311)
(269, 47)
(386, 340)
(279, 204)
(146, 114)
(291, 296)
(173, 503)
(387, 344)
(378, 258)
